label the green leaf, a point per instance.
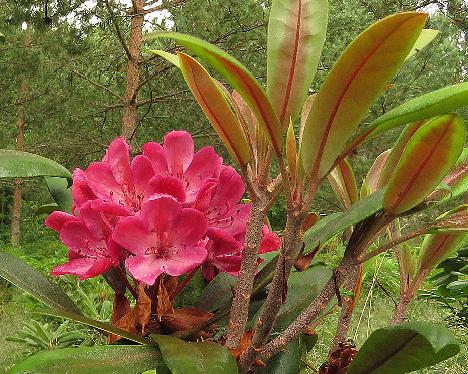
(32, 281)
(118, 359)
(15, 164)
(93, 323)
(343, 183)
(430, 153)
(286, 362)
(426, 36)
(217, 293)
(436, 247)
(325, 229)
(303, 288)
(46, 209)
(355, 81)
(201, 358)
(404, 348)
(213, 103)
(296, 34)
(238, 76)
(58, 188)
(172, 58)
(436, 103)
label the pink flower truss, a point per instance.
(171, 209)
(164, 238)
(88, 236)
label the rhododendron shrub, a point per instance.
(150, 223)
(167, 211)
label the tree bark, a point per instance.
(130, 115)
(17, 195)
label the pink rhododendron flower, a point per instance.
(182, 173)
(163, 238)
(171, 209)
(88, 236)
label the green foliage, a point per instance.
(404, 348)
(45, 336)
(100, 359)
(204, 357)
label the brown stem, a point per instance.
(278, 288)
(363, 235)
(352, 284)
(243, 289)
(400, 312)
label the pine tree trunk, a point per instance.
(17, 195)
(130, 115)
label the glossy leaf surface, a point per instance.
(16, 164)
(344, 184)
(213, 102)
(442, 101)
(296, 34)
(426, 36)
(93, 323)
(429, 155)
(404, 348)
(238, 76)
(118, 359)
(436, 247)
(326, 228)
(355, 81)
(32, 281)
(61, 193)
(200, 357)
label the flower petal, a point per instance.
(157, 156)
(230, 189)
(178, 146)
(81, 192)
(133, 234)
(144, 268)
(102, 182)
(117, 156)
(167, 185)
(205, 164)
(57, 219)
(158, 213)
(184, 259)
(141, 171)
(270, 241)
(83, 267)
(188, 227)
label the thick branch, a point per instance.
(243, 290)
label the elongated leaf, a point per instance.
(296, 34)
(286, 362)
(326, 228)
(58, 188)
(291, 150)
(32, 281)
(436, 247)
(172, 58)
(354, 82)
(395, 155)
(238, 77)
(426, 36)
(93, 323)
(118, 359)
(436, 103)
(217, 293)
(303, 288)
(211, 99)
(46, 209)
(455, 182)
(371, 182)
(429, 155)
(201, 358)
(344, 184)
(15, 164)
(404, 348)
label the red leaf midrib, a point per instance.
(332, 116)
(292, 67)
(420, 168)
